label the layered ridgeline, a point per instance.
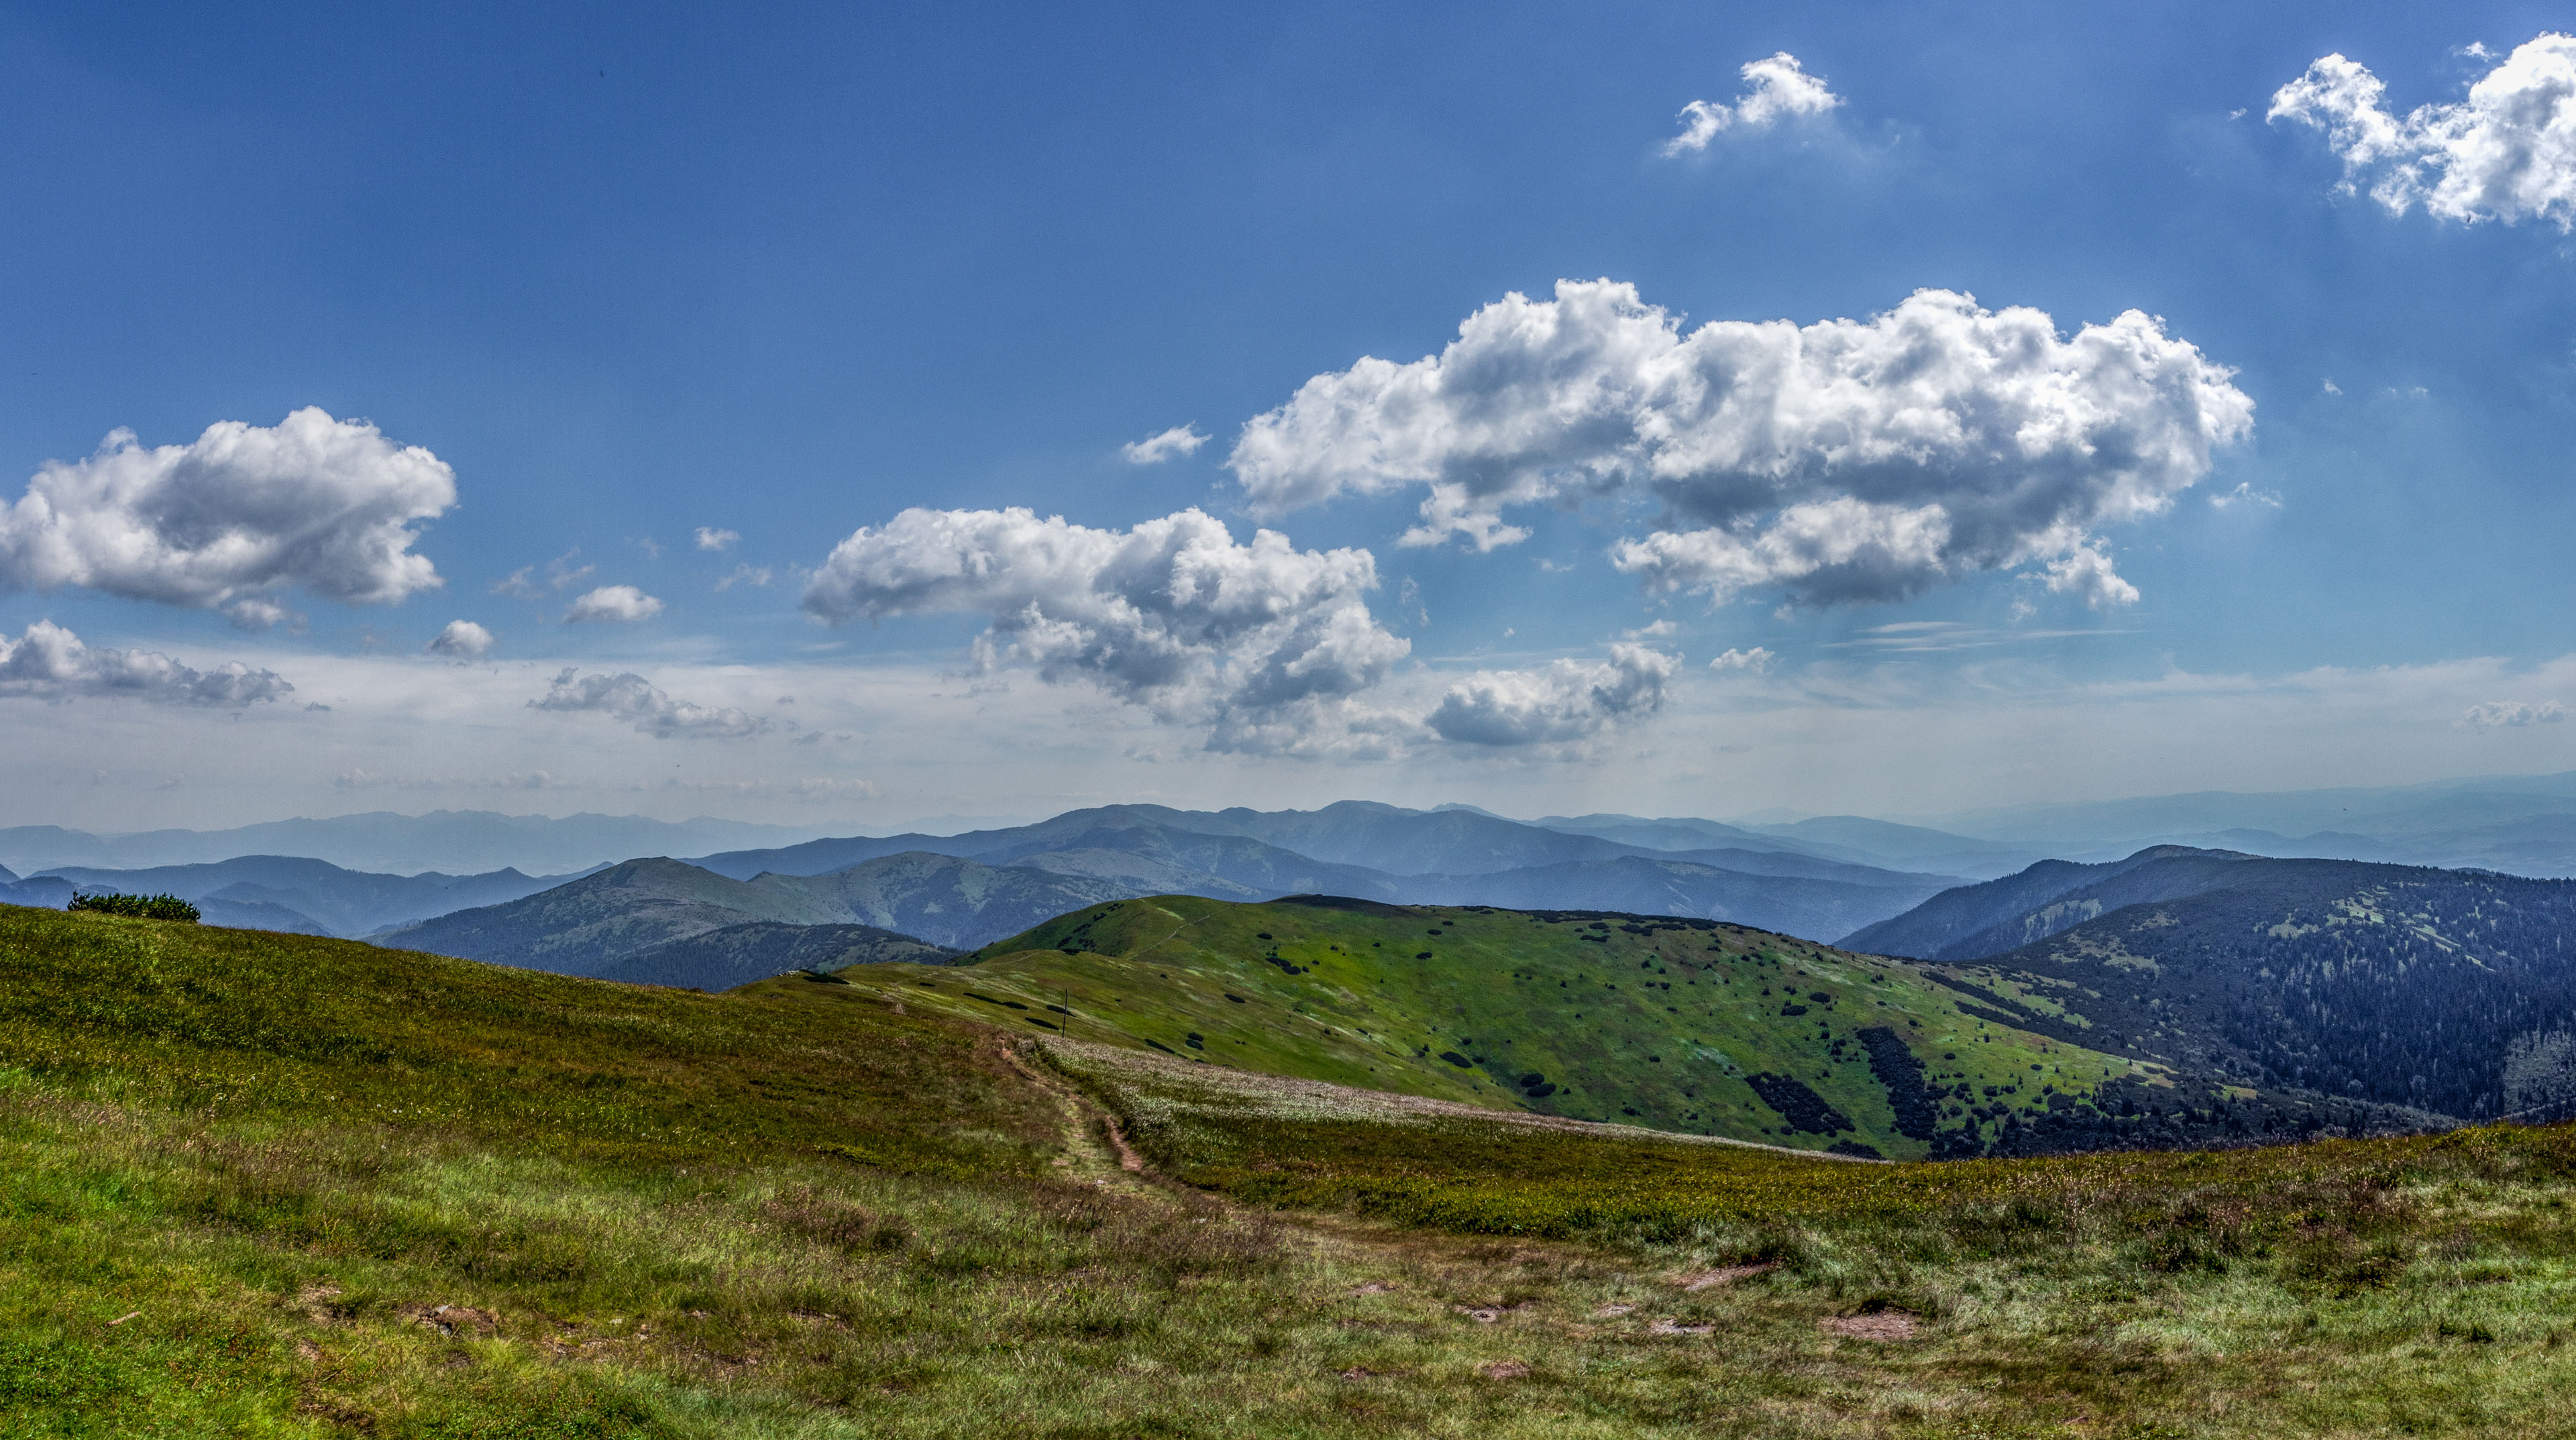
(1682, 1025)
(968, 890)
(2442, 989)
(311, 897)
(1380, 852)
(1452, 856)
(630, 921)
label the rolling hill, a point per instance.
(741, 954)
(592, 925)
(1689, 1026)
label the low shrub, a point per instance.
(141, 907)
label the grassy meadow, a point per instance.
(256, 1184)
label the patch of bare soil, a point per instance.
(1374, 1287)
(1675, 1327)
(1503, 1369)
(316, 1302)
(449, 1319)
(1723, 1275)
(1879, 1325)
(1612, 1312)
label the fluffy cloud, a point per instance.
(1847, 460)
(462, 639)
(1781, 89)
(1155, 449)
(2507, 152)
(2501, 714)
(710, 538)
(1567, 701)
(1261, 642)
(50, 662)
(1757, 661)
(631, 697)
(243, 511)
(618, 604)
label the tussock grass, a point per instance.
(344, 1191)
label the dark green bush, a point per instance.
(142, 907)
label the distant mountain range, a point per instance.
(2520, 824)
(1382, 852)
(963, 890)
(1872, 885)
(279, 892)
(599, 924)
(452, 841)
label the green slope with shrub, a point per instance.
(1682, 1025)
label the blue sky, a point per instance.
(789, 273)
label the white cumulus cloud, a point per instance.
(2507, 152)
(1848, 460)
(2505, 713)
(1757, 661)
(1569, 700)
(49, 662)
(632, 698)
(618, 604)
(1781, 88)
(462, 639)
(1155, 449)
(1261, 642)
(226, 520)
(710, 538)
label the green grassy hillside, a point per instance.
(1681, 1025)
(263, 1185)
